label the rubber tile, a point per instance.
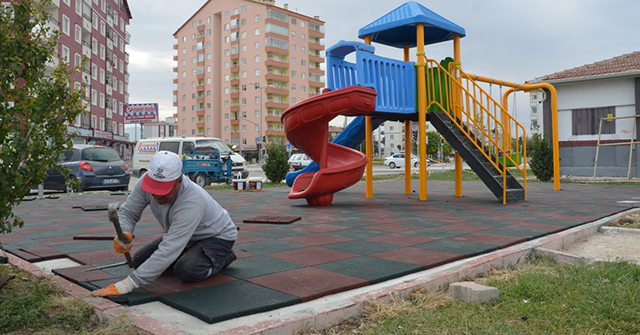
(498, 222)
(75, 275)
(309, 283)
(277, 233)
(357, 234)
(465, 227)
(502, 241)
(46, 253)
(526, 233)
(58, 240)
(121, 271)
(361, 247)
(4, 280)
(27, 256)
(257, 266)
(316, 239)
(226, 301)
(320, 228)
(405, 240)
(392, 227)
(242, 254)
(311, 256)
(21, 244)
(45, 227)
(372, 269)
(423, 257)
(88, 223)
(51, 233)
(564, 223)
(168, 283)
(245, 228)
(272, 219)
(73, 248)
(539, 226)
(269, 246)
(436, 232)
(13, 237)
(449, 219)
(137, 297)
(469, 249)
(98, 229)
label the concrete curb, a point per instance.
(328, 311)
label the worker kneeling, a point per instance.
(198, 232)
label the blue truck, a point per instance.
(205, 165)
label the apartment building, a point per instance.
(239, 65)
(96, 29)
(394, 136)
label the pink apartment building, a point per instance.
(96, 29)
(240, 64)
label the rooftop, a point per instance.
(624, 64)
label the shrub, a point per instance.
(276, 165)
(542, 158)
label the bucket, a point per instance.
(239, 185)
(254, 184)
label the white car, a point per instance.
(299, 161)
(397, 161)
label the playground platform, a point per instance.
(351, 246)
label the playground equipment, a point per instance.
(377, 89)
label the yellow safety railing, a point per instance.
(481, 118)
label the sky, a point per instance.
(515, 41)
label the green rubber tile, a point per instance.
(227, 301)
(52, 233)
(88, 223)
(255, 266)
(564, 223)
(37, 222)
(21, 244)
(357, 234)
(277, 233)
(526, 233)
(269, 246)
(361, 247)
(118, 271)
(374, 270)
(498, 222)
(73, 248)
(436, 233)
(468, 249)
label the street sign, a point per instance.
(140, 113)
(288, 147)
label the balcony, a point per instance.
(109, 44)
(271, 132)
(235, 122)
(235, 134)
(270, 118)
(55, 4)
(175, 46)
(127, 39)
(277, 104)
(278, 76)
(109, 90)
(316, 45)
(277, 90)
(277, 62)
(315, 57)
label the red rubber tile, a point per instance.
(540, 226)
(98, 256)
(27, 256)
(46, 253)
(384, 218)
(58, 240)
(316, 239)
(5, 279)
(67, 220)
(75, 275)
(247, 228)
(13, 237)
(312, 256)
(244, 238)
(405, 240)
(392, 227)
(423, 257)
(464, 227)
(320, 228)
(501, 241)
(323, 219)
(169, 283)
(242, 253)
(39, 229)
(309, 283)
(99, 229)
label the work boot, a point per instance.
(229, 259)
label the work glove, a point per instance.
(124, 286)
(123, 246)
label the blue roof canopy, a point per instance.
(398, 27)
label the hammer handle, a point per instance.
(113, 216)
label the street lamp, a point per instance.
(259, 134)
(258, 86)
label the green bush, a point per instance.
(542, 158)
(276, 165)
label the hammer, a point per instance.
(113, 217)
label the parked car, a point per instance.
(397, 161)
(299, 161)
(94, 167)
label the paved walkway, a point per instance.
(353, 243)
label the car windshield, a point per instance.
(218, 144)
(100, 155)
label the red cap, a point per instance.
(164, 169)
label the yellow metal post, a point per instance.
(422, 110)
(458, 160)
(369, 150)
(407, 143)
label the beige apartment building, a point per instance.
(239, 65)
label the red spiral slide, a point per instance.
(306, 126)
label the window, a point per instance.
(303, 75)
(226, 14)
(103, 28)
(103, 6)
(184, 51)
(67, 2)
(244, 34)
(303, 62)
(208, 31)
(209, 19)
(77, 60)
(244, 128)
(226, 129)
(93, 121)
(78, 34)
(226, 116)
(244, 74)
(586, 121)
(94, 98)
(79, 7)
(293, 47)
(256, 99)
(293, 87)
(226, 90)
(257, 58)
(226, 26)
(102, 52)
(293, 100)
(302, 49)
(244, 101)
(244, 8)
(94, 21)
(244, 61)
(293, 33)
(65, 25)
(102, 76)
(244, 48)
(94, 46)
(121, 87)
(235, 11)
(101, 100)
(293, 20)
(293, 74)
(256, 31)
(302, 24)
(303, 88)
(256, 18)
(257, 113)
(256, 72)
(293, 60)
(65, 53)
(226, 65)
(302, 37)
(94, 72)
(243, 22)
(193, 36)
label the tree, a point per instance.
(35, 105)
(542, 158)
(276, 165)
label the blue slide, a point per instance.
(350, 137)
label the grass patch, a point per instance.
(539, 296)
(35, 305)
(629, 221)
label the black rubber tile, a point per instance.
(436, 233)
(269, 246)
(361, 247)
(357, 234)
(137, 297)
(374, 270)
(468, 249)
(226, 301)
(277, 233)
(526, 233)
(255, 266)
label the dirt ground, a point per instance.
(608, 246)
